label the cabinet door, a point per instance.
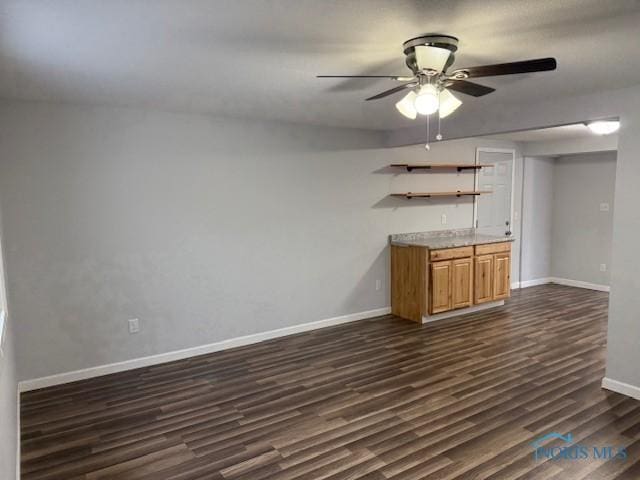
(502, 276)
(440, 287)
(483, 279)
(462, 289)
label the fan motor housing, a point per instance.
(432, 40)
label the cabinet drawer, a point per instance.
(449, 253)
(493, 248)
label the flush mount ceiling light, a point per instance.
(429, 58)
(604, 127)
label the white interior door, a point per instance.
(493, 212)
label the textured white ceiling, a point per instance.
(258, 58)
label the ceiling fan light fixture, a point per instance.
(431, 58)
(449, 103)
(604, 127)
(406, 106)
(427, 101)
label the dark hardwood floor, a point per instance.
(383, 399)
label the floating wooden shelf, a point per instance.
(459, 193)
(439, 166)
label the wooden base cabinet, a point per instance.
(441, 288)
(501, 275)
(462, 282)
(451, 283)
(427, 282)
(493, 273)
(483, 281)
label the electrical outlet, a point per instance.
(134, 325)
(443, 219)
(604, 207)
(378, 284)
(603, 267)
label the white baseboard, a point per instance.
(621, 387)
(59, 379)
(560, 281)
(461, 312)
(580, 284)
(531, 283)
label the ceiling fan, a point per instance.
(429, 57)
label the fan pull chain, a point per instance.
(439, 135)
(427, 146)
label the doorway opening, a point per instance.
(561, 204)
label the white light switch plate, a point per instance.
(134, 325)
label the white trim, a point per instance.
(531, 283)
(580, 284)
(36, 383)
(476, 180)
(461, 312)
(621, 387)
(561, 281)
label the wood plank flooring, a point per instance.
(373, 400)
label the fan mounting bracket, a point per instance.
(432, 40)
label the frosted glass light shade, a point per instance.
(427, 101)
(406, 107)
(432, 58)
(448, 103)
(604, 127)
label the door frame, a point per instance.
(476, 180)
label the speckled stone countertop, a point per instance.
(447, 238)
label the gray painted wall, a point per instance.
(537, 215)
(8, 411)
(623, 335)
(205, 229)
(8, 392)
(565, 235)
(581, 233)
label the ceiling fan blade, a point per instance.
(390, 77)
(391, 91)
(470, 88)
(526, 66)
